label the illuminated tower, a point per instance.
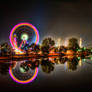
(58, 42)
(80, 42)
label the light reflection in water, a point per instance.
(26, 71)
(22, 73)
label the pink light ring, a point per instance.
(20, 24)
(37, 34)
(11, 33)
(26, 81)
(11, 40)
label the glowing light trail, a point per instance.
(23, 81)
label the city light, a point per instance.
(80, 42)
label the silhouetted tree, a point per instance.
(73, 44)
(47, 66)
(62, 49)
(6, 49)
(34, 47)
(47, 43)
(72, 64)
(56, 50)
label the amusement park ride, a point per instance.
(24, 36)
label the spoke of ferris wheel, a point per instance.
(15, 42)
(21, 44)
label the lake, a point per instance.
(46, 74)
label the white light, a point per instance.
(24, 36)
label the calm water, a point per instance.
(46, 74)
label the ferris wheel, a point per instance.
(22, 35)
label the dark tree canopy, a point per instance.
(35, 47)
(5, 49)
(47, 43)
(73, 44)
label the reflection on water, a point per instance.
(22, 73)
(26, 71)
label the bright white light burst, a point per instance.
(24, 36)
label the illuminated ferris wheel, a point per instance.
(22, 35)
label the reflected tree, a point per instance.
(47, 66)
(29, 64)
(72, 64)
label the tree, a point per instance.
(47, 43)
(6, 49)
(62, 49)
(73, 44)
(34, 47)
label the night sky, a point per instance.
(59, 19)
